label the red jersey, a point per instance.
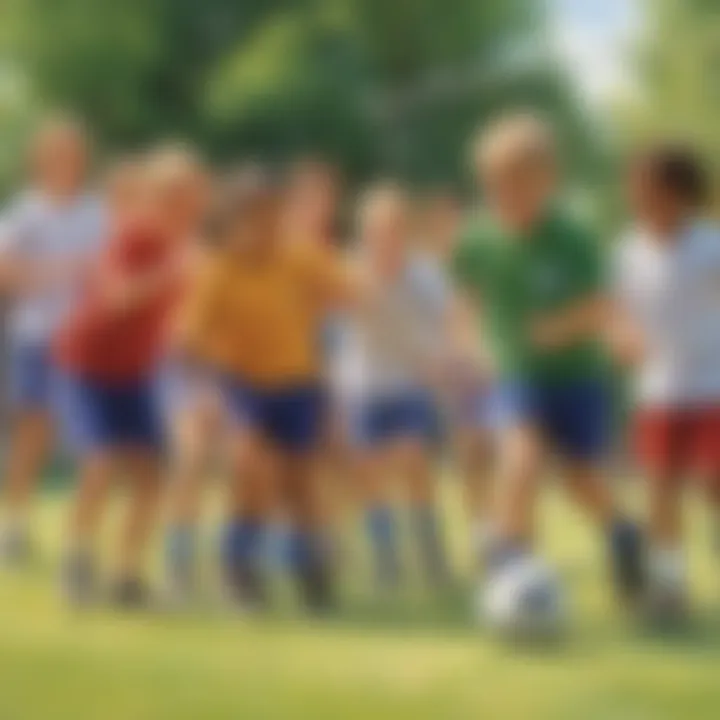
(114, 344)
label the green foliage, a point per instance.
(380, 85)
(680, 76)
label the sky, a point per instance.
(592, 37)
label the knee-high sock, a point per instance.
(382, 531)
(429, 540)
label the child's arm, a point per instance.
(123, 292)
(624, 338)
(466, 321)
(21, 274)
(128, 278)
(339, 283)
(199, 305)
(586, 316)
(583, 319)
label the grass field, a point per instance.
(416, 656)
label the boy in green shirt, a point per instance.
(536, 277)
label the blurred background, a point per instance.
(376, 86)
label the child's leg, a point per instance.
(295, 424)
(252, 502)
(31, 386)
(591, 488)
(30, 442)
(373, 470)
(520, 457)
(309, 555)
(576, 419)
(88, 506)
(193, 443)
(418, 469)
(144, 478)
(79, 579)
(472, 451)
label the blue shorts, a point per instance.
(98, 415)
(408, 414)
(474, 410)
(573, 417)
(291, 417)
(31, 376)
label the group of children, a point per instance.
(173, 326)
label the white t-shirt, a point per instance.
(672, 293)
(389, 344)
(35, 229)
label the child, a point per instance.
(311, 200)
(48, 235)
(312, 195)
(536, 276)
(255, 313)
(390, 362)
(108, 352)
(668, 292)
(467, 398)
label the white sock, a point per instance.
(667, 569)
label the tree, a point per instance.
(679, 76)
(395, 86)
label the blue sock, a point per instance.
(277, 546)
(623, 536)
(180, 548)
(305, 548)
(242, 543)
(380, 524)
(427, 531)
(626, 547)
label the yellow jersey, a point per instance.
(259, 319)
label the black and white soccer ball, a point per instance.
(524, 601)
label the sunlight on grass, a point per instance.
(420, 656)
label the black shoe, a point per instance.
(316, 587)
(130, 593)
(246, 588)
(16, 548)
(628, 561)
(78, 579)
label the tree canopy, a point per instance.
(376, 85)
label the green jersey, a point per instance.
(519, 279)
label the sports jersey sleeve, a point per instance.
(199, 306)
(620, 274)
(591, 267)
(466, 266)
(325, 272)
(14, 230)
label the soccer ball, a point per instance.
(524, 601)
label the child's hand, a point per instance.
(626, 343)
(547, 334)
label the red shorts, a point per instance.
(679, 441)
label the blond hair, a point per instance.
(382, 197)
(522, 139)
(172, 161)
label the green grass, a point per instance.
(418, 656)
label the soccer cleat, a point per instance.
(180, 568)
(130, 593)
(15, 547)
(628, 561)
(78, 579)
(245, 588)
(316, 587)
